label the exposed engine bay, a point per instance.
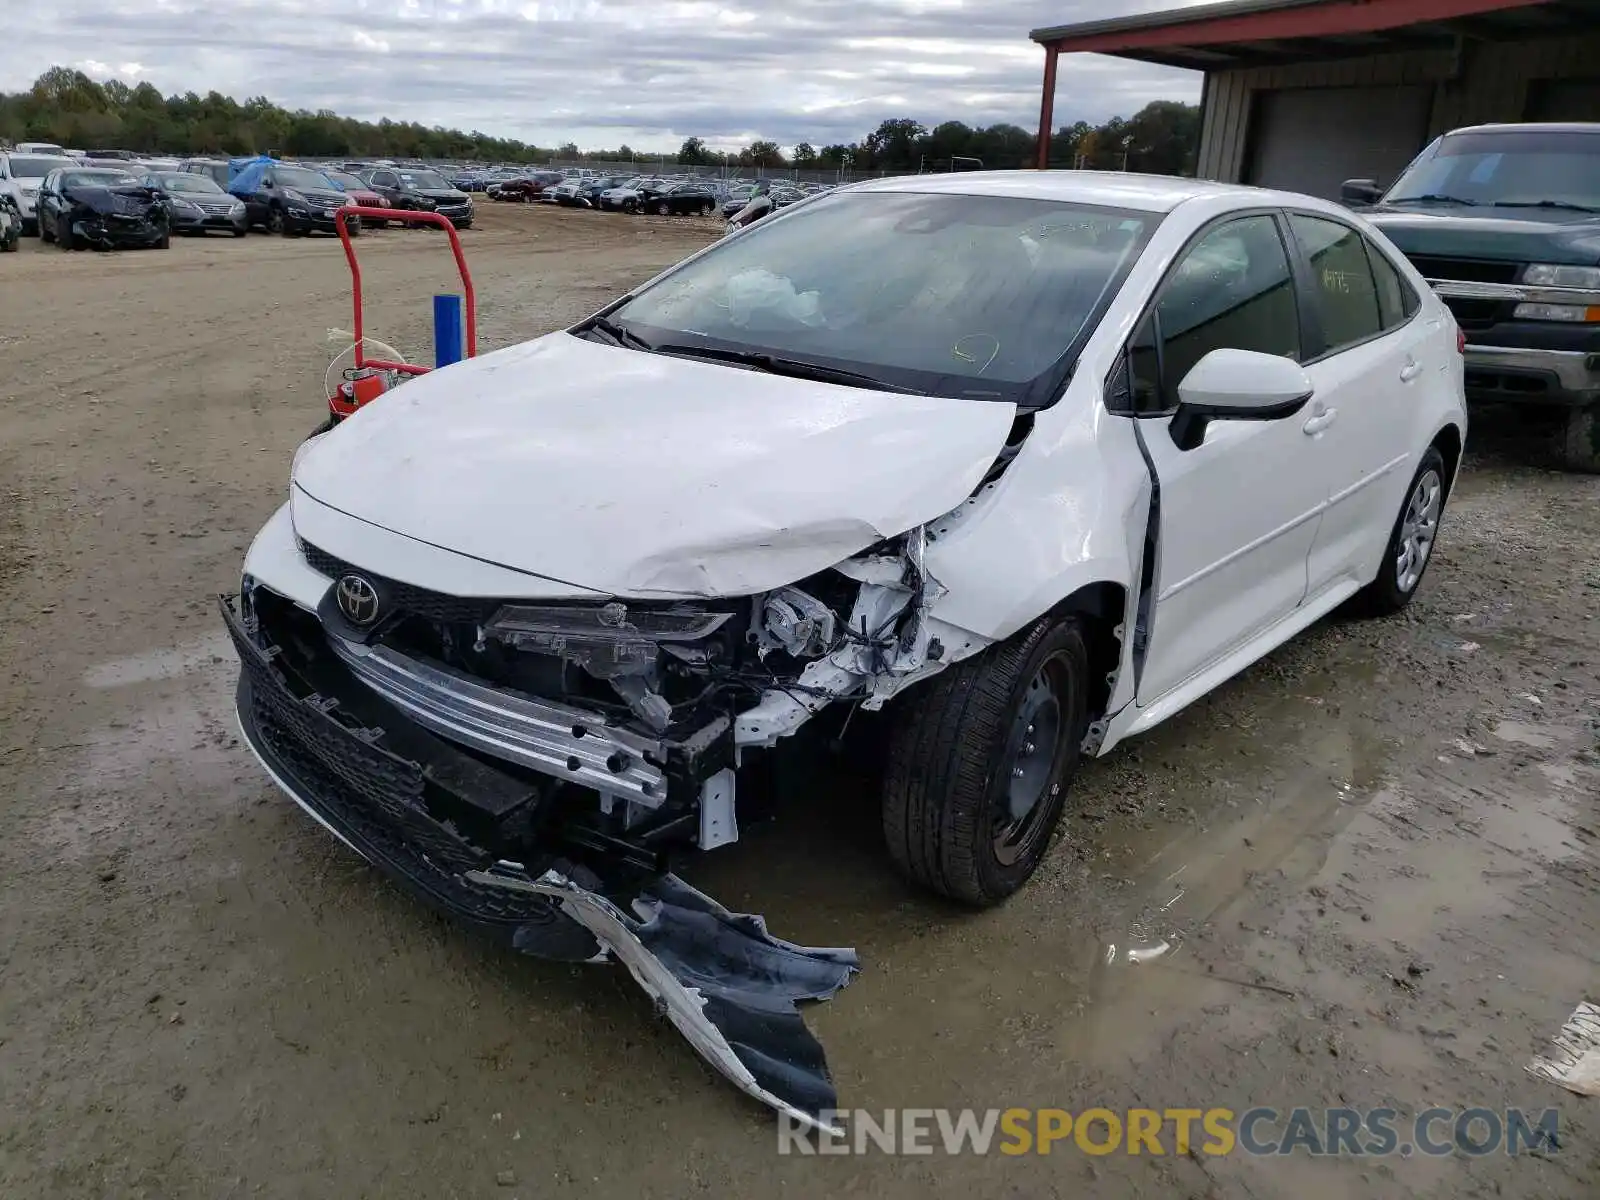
(534, 767)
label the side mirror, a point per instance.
(1360, 191)
(1237, 385)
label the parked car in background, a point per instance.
(214, 169)
(291, 200)
(590, 191)
(523, 188)
(21, 174)
(46, 149)
(677, 197)
(421, 189)
(10, 223)
(568, 192)
(103, 207)
(1504, 221)
(196, 204)
(356, 188)
(782, 196)
(625, 197)
(120, 155)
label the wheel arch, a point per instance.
(1101, 606)
(1448, 442)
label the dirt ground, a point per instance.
(1374, 854)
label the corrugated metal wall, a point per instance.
(1480, 83)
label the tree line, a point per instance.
(67, 107)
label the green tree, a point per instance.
(805, 155)
(693, 152)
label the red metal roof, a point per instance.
(1216, 34)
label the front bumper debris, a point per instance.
(380, 782)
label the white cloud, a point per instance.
(603, 72)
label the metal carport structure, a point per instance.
(1296, 89)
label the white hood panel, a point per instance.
(637, 474)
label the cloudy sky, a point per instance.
(602, 72)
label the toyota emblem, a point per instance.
(358, 600)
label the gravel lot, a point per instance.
(1375, 852)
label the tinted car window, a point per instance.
(1397, 302)
(1342, 280)
(1232, 289)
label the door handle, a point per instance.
(1320, 422)
(1410, 371)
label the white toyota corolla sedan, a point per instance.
(1030, 461)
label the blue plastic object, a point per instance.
(447, 326)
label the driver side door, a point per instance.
(1239, 511)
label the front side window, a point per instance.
(1232, 290)
(982, 297)
(1341, 280)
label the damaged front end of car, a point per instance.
(112, 218)
(535, 768)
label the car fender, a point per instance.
(1068, 512)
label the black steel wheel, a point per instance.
(980, 761)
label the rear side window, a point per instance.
(1341, 277)
(1397, 303)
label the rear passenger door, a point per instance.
(1368, 366)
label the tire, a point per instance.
(353, 230)
(707, 209)
(275, 221)
(1417, 525)
(43, 227)
(954, 747)
(664, 209)
(63, 236)
(1579, 448)
(629, 206)
(241, 232)
(164, 242)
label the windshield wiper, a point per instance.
(793, 367)
(1433, 198)
(1562, 204)
(618, 334)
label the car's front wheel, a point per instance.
(64, 232)
(1411, 541)
(980, 760)
(1579, 449)
(47, 232)
(664, 209)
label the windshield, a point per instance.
(346, 180)
(425, 179)
(36, 168)
(1507, 168)
(96, 178)
(185, 183)
(979, 296)
(299, 177)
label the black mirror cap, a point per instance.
(1360, 191)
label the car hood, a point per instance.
(1514, 234)
(111, 199)
(637, 474)
(443, 195)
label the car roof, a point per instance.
(1532, 127)
(1147, 193)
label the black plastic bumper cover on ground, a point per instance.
(727, 984)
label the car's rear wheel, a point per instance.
(980, 759)
(1410, 547)
(1579, 448)
(664, 209)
